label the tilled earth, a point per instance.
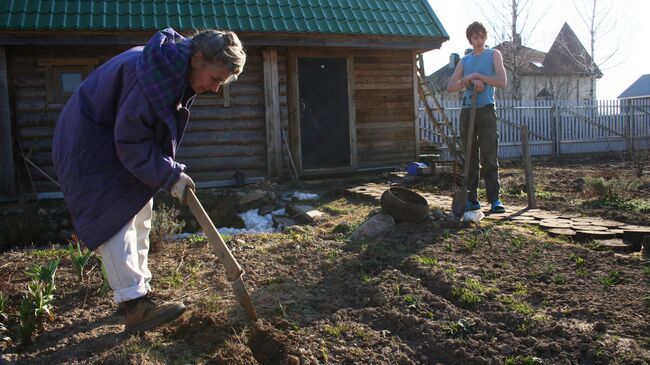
(425, 293)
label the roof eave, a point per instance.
(633, 97)
(420, 44)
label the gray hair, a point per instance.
(219, 46)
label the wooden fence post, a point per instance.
(557, 129)
(528, 167)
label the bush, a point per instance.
(164, 224)
(600, 188)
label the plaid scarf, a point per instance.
(162, 71)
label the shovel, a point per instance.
(460, 196)
(233, 270)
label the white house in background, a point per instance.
(561, 73)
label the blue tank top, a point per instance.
(483, 64)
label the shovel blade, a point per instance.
(458, 203)
(244, 298)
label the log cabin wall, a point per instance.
(385, 112)
(224, 134)
(35, 117)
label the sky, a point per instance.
(624, 36)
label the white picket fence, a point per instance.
(558, 127)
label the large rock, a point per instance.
(373, 227)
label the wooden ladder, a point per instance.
(443, 127)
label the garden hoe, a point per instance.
(233, 270)
(460, 196)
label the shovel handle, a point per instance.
(233, 270)
(469, 142)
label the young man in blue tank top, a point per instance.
(480, 71)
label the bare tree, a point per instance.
(595, 16)
(511, 22)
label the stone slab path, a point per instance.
(617, 235)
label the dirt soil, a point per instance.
(424, 293)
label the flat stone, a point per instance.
(307, 212)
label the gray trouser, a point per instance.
(486, 138)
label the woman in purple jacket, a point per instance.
(114, 147)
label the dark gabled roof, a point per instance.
(405, 18)
(639, 89)
(440, 78)
(528, 60)
(567, 56)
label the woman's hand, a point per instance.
(180, 186)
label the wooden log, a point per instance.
(617, 245)
(607, 223)
(588, 235)
(554, 225)
(588, 227)
(565, 232)
(635, 237)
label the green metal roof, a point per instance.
(408, 18)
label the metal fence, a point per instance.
(558, 127)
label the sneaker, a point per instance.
(145, 313)
(497, 207)
(472, 205)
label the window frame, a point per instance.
(55, 67)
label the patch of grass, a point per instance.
(471, 293)
(559, 279)
(618, 203)
(646, 271)
(409, 299)
(518, 242)
(550, 268)
(49, 253)
(515, 304)
(200, 239)
(332, 256)
(449, 246)
(526, 360)
(365, 277)
(337, 330)
(172, 280)
(425, 260)
(611, 279)
(543, 194)
(579, 261)
(582, 273)
(469, 243)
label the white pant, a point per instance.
(125, 257)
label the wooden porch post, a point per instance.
(272, 109)
(7, 177)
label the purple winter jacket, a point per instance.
(113, 148)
